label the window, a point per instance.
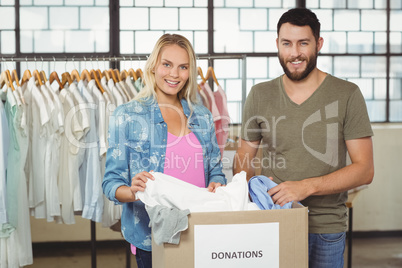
(359, 46)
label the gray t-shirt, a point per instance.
(307, 140)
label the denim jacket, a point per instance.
(137, 142)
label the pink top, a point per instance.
(184, 159)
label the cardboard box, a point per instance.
(290, 249)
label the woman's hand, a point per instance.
(213, 186)
(139, 180)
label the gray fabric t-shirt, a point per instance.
(307, 140)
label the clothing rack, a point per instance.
(41, 58)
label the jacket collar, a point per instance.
(156, 115)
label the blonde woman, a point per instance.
(162, 128)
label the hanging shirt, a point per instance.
(115, 92)
(107, 89)
(52, 204)
(38, 135)
(12, 174)
(90, 170)
(206, 89)
(58, 126)
(138, 84)
(126, 89)
(4, 143)
(123, 92)
(131, 87)
(204, 99)
(68, 171)
(18, 244)
(59, 106)
(100, 114)
(222, 125)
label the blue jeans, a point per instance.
(144, 258)
(326, 250)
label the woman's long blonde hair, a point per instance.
(189, 91)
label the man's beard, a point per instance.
(298, 76)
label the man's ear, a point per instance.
(320, 43)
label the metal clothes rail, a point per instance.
(89, 58)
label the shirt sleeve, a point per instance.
(215, 163)
(250, 129)
(357, 121)
(117, 161)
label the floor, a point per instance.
(367, 253)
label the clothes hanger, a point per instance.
(133, 74)
(139, 73)
(106, 74)
(14, 77)
(124, 74)
(85, 75)
(55, 77)
(210, 73)
(113, 75)
(37, 77)
(75, 75)
(99, 73)
(5, 78)
(26, 76)
(66, 78)
(9, 80)
(201, 75)
(94, 75)
(117, 74)
(42, 75)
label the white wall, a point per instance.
(379, 207)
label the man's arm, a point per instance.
(244, 156)
(359, 172)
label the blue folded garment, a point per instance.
(258, 187)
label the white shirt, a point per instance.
(115, 92)
(168, 191)
(38, 133)
(68, 170)
(4, 142)
(90, 170)
(131, 86)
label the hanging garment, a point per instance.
(222, 125)
(171, 192)
(204, 99)
(51, 203)
(107, 90)
(123, 91)
(220, 120)
(116, 93)
(90, 170)
(68, 171)
(130, 85)
(39, 118)
(16, 248)
(4, 143)
(138, 84)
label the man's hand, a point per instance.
(289, 191)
